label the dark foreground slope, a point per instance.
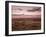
(26, 24)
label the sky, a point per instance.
(26, 11)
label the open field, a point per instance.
(26, 24)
